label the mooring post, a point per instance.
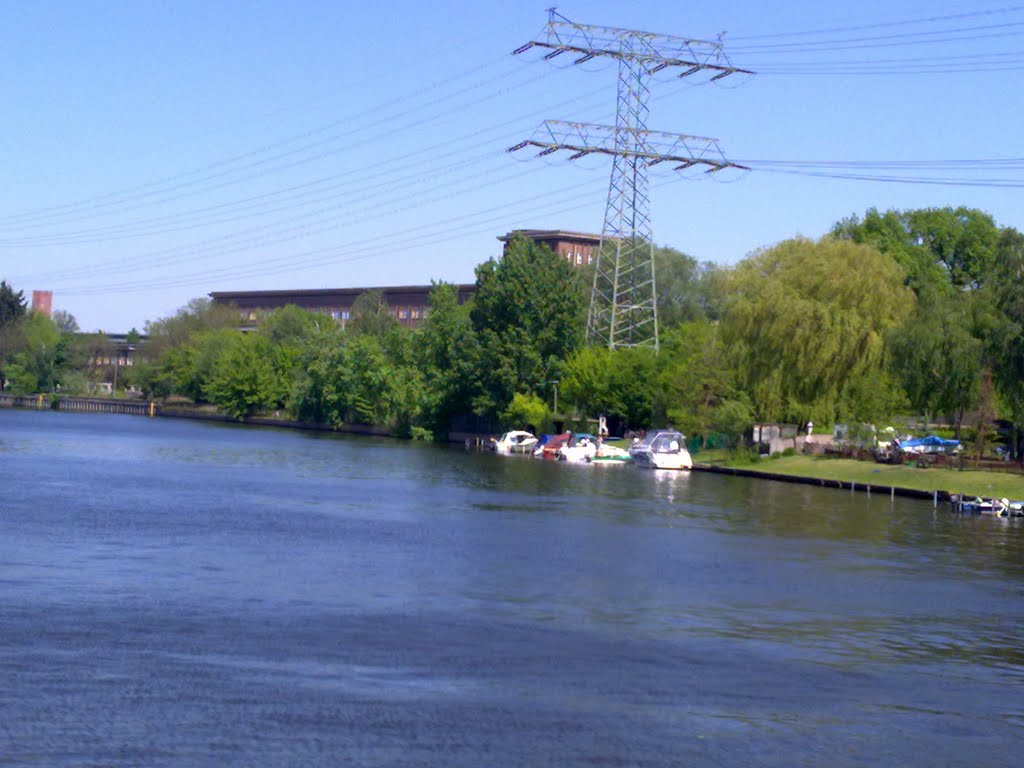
(892, 494)
(935, 499)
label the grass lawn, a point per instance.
(967, 482)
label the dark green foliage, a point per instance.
(937, 355)
(244, 378)
(33, 368)
(620, 383)
(942, 247)
(695, 378)
(372, 316)
(528, 314)
(448, 356)
(679, 280)
(13, 306)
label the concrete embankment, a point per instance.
(79, 404)
(869, 488)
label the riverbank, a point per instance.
(917, 481)
(818, 470)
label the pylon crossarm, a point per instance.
(652, 158)
(653, 64)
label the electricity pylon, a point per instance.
(623, 301)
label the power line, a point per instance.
(883, 25)
(923, 180)
(219, 168)
(908, 38)
(336, 254)
(138, 227)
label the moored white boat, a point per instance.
(516, 441)
(661, 449)
(578, 448)
(610, 454)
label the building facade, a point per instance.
(579, 248)
(42, 303)
(409, 303)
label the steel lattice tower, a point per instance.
(623, 301)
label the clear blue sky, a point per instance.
(152, 152)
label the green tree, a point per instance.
(984, 431)
(619, 383)
(678, 279)
(174, 361)
(367, 380)
(695, 378)
(316, 395)
(197, 316)
(13, 306)
(937, 357)
(1006, 340)
(33, 368)
(528, 314)
(290, 326)
(348, 379)
(243, 378)
(13, 309)
(526, 412)
(448, 355)
(372, 316)
(189, 366)
(947, 248)
(806, 323)
(65, 321)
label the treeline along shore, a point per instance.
(893, 317)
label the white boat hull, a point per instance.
(650, 460)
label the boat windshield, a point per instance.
(663, 442)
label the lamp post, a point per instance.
(554, 406)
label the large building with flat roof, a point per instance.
(408, 302)
(579, 248)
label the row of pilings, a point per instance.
(79, 404)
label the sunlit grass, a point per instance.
(969, 482)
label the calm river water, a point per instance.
(183, 594)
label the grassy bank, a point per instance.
(967, 482)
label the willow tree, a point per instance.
(805, 323)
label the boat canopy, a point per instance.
(661, 441)
(929, 444)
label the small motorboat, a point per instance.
(994, 507)
(516, 441)
(551, 448)
(579, 448)
(610, 454)
(661, 449)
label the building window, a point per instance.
(403, 313)
(345, 314)
(579, 258)
(415, 314)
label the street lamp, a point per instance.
(554, 406)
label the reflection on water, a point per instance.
(185, 594)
